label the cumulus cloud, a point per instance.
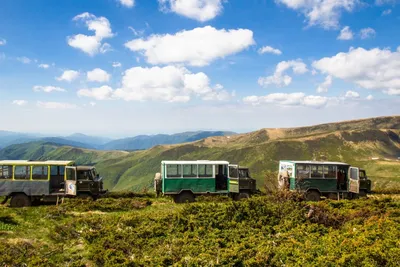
(367, 33)
(392, 91)
(369, 97)
(173, 84)
(290, 99)
(197, 47)
(352, 94)
(68, 75)
(323, 87)
(20, 102)
(92, 44)
(3, 41)
(55, 105)
(48, 89)
(116, 64)
(201, 10)
(127, 3)
(279, 78)
(24, 60)
(98, 75)
(324, 13)
(371, 69)
(345, 34)
(100, 93)
(269, 49)
(386, 12)
(44, 66)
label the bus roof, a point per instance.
(36, 162)
(218, 162)
(315, 162)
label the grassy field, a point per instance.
(138, 230)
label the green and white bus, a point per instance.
(184, 180)
(322, 179)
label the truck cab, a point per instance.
(89, 183)
(247, 183)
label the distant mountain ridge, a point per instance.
(139, 142)
(147, 141)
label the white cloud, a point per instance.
(106, 47)
(352, 94)
(324, 13)
(292, 99)
(201, 10)
(269, 49)
(323, 87)
(392, 91)
(68, 75)
(3, 41)
(55, 105)
(24, 60)
(386, 12)
(92, 44)
(173, 84)
(44, 66)
(116, 64)
(98, 75)
(345, 34)
(136, 32)
(20, 102)
(369, 97)
(371, 69)
(48, 89)
(367, 33)
(127, 3)
(197, 47)
(279, 78)
(100, 93)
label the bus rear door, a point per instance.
(70, 181)
(354, 181)
(233, 179)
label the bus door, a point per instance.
(70, 181)
(354, 180)
(233, 179)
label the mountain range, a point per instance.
(102, 143)
(373, 144)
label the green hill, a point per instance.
(355, 142)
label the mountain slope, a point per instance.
(93, 141)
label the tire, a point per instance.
(243, 195)
(20, 200)
(363, 193)
(313, 196)
(184, 197)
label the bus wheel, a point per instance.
(20, 200)
(184, 197)
(313, 195)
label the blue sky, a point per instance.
(123, 67)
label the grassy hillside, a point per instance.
(261, 231)
(355, 142)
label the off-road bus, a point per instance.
(184, 180)
(333, 180)
(27, 182)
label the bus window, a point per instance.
(330, 171)
(22, 172)
(303, 171)
(174, 171)
(205, 170)
(39, 172)
(6, 172)
(190, 170)
(316, 171)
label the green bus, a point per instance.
(27, 182)
(184, 180)
(333, 180)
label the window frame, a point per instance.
(27, 177)
(44, 167)
(9, 167)
(193, 175)
(206, 175)
(179, 175)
